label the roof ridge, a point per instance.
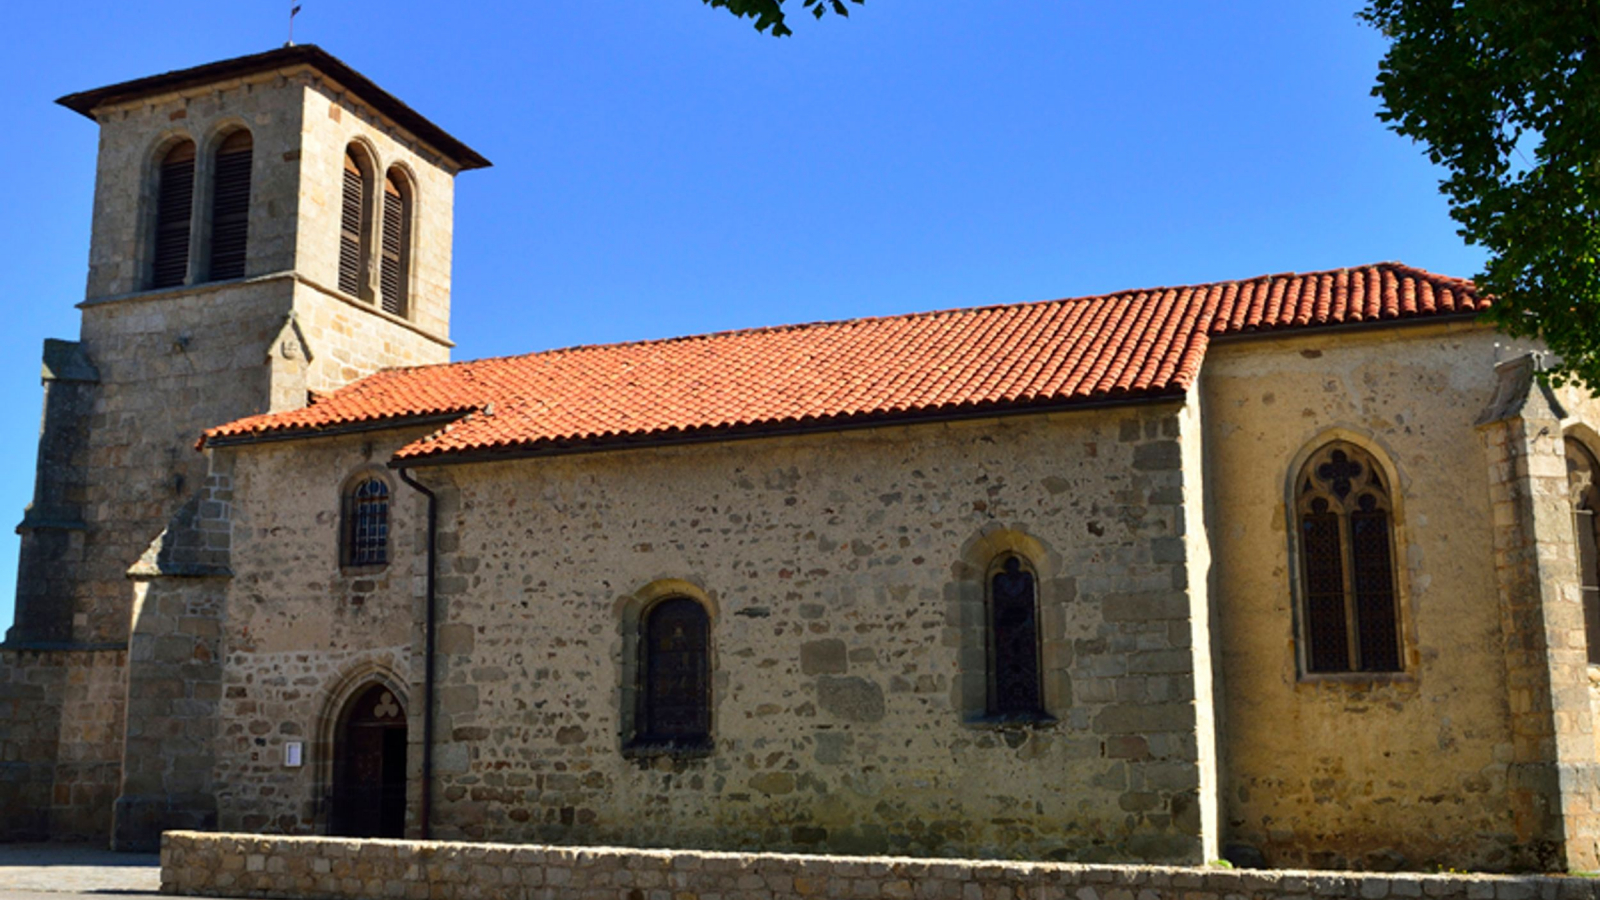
(909, 316)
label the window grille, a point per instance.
(676, 694)
(1585, 501)
(1351, 614)
(394, 271)
(1014, 641)
(352, 227)
(230, 206)
(174, 202)
(367, 537)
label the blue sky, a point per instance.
(663, 169)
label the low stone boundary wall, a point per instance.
(235, 865)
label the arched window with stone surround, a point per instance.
(675, 675)
(366, 523)
(1015, 690)
(230, 205)
(394, 266)
(355, 223)
(174, 209)
(1350, 613)
(1585, 495)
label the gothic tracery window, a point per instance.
(674, 698)
(1350, 611)
(1014, 686)
(1585, 494)
(366, 531)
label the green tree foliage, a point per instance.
(1505, 95)
(769, 13)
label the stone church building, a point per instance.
(1300, 568)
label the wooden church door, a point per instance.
(369, 775)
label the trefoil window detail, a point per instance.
(1350, 612)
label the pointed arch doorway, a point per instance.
(369, 766)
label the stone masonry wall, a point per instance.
(1409, 770)
(843, 573)
(69, 703)
(231, 865)
(302, 634)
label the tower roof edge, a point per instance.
(86, 102)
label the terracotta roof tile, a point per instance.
(1125, 346)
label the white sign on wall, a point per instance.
(292, 752)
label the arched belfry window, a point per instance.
(355, 225)
(366, 523)
(1351, 614)
(230, 206)
(675, 674)
(174, 208)
(1581, 471)
(394, 271)
(1014, 683)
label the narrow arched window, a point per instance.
(354, 231)
(174, 208)
(1351, 616)
(394, 272)
(366, 523)
(1585, 496)
(675, 698)
(230, 206)
(1014, 688)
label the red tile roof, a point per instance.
(1113, 348)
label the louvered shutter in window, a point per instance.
(173, 208)
(392, 276)
(230, 207)
(352, 224)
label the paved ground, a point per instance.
(62, 871)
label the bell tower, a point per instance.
(264, 228)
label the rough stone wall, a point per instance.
(833, 566)
(135, 136)
(173, 688)
(333, 119)
(348, 340)
(1362, 771)
(59, 707)
(302, 634)
(232, 865)
(172, 362)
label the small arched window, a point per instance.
(230, 206)
(1351, 614)
(174, 208)
(1585, 494)
(394, 273)
(1014, 685)
(366, 523)
(675, 697)
(354, 225)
